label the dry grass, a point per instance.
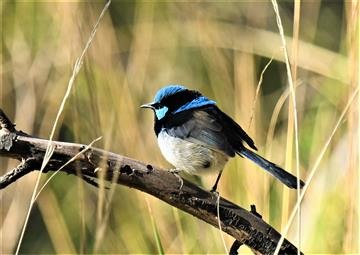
(50, 148)
(220, 49)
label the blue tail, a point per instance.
(285, 177)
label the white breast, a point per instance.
(190, 157)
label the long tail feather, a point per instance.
(285, 177)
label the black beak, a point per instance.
(149, 105)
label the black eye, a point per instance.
(157, 105)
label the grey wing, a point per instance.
(204, 129)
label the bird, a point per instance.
(195, 136)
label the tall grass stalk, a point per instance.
(258, 87)
(50, 147)
(352, 44)
(266, 183)
(313, 171)
(295, 47)
(356, 52)
(159, 246)
(293, 102)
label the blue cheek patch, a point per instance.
(196, 103)
(160, 113)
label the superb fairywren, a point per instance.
(194, 135)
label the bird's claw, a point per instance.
(215, 192)
(176, 173)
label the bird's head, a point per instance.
(173, 99)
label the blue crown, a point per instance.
(168, 91)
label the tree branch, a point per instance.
(246, 227)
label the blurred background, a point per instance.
(218, 48)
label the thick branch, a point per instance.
(244, 226)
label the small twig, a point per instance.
(25, 167)
(253, 211)
(235, 247)
(5, 122)
(88, 180)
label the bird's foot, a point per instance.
(176, 173)
(215, 192)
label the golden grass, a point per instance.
(314, 169)
(295, 50)
(221, 49)
(293, 113)
(293, 119)
(50, 148)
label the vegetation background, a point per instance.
(219, 48)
